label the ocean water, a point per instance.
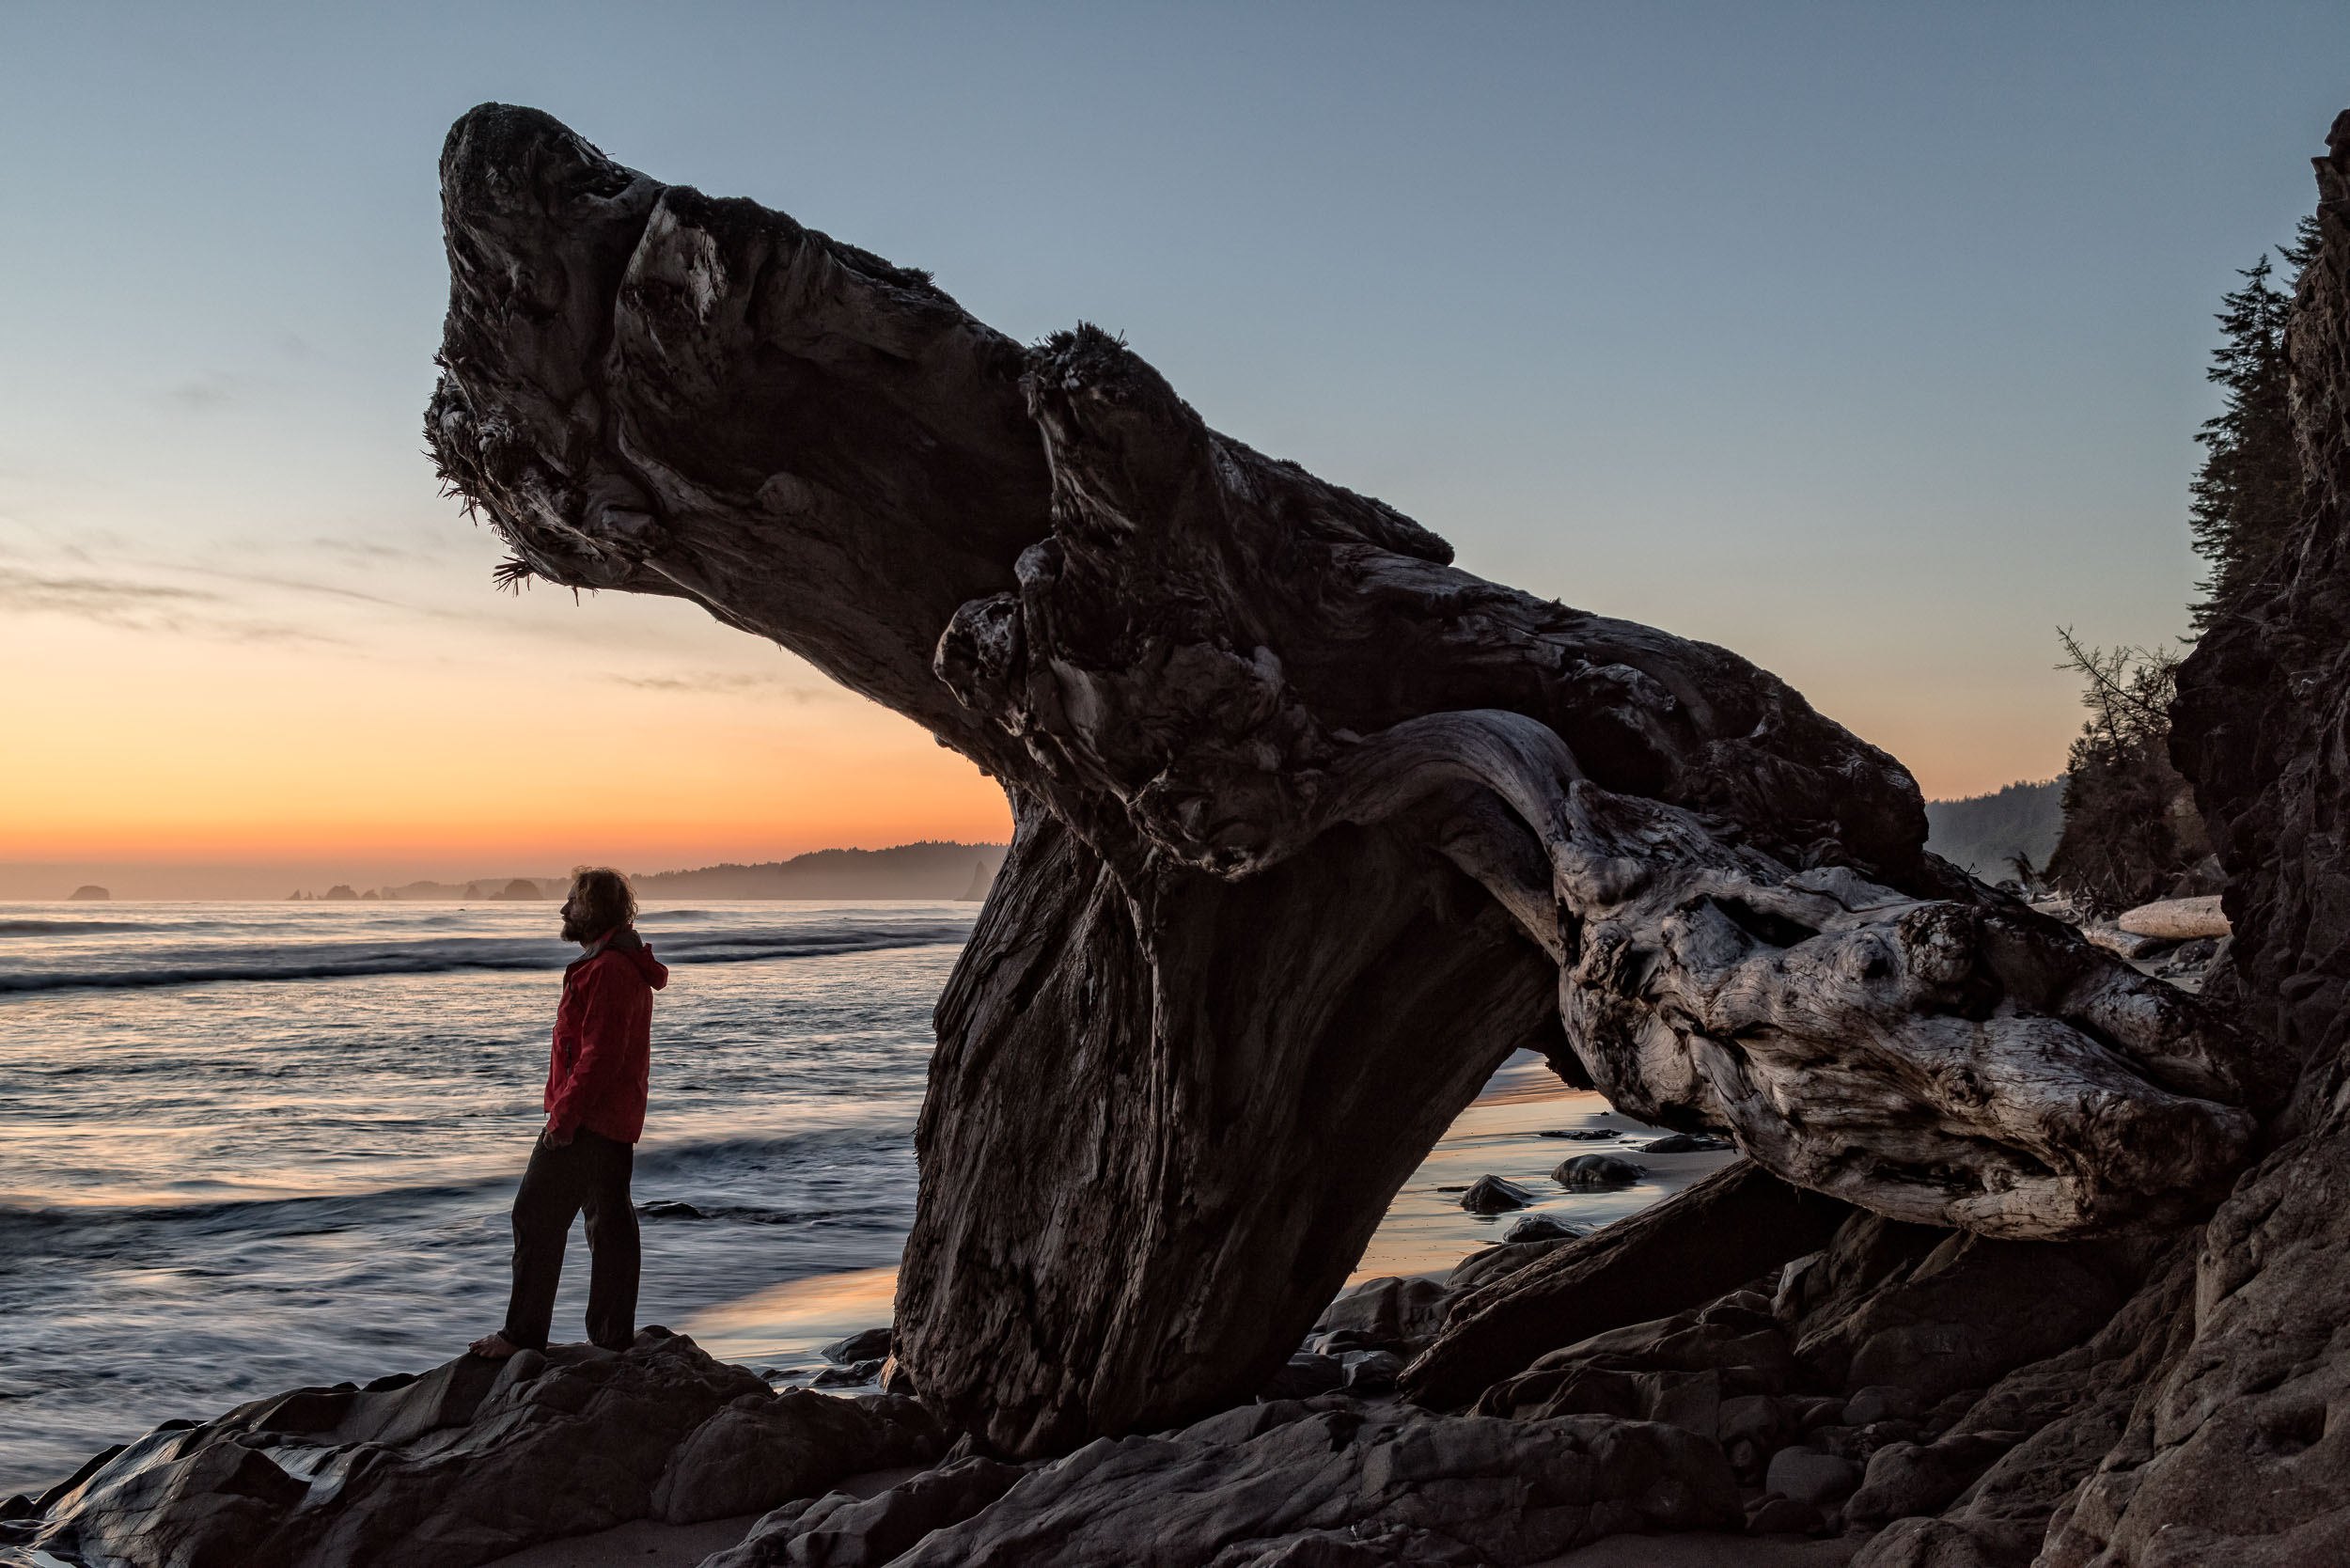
(248, 1147)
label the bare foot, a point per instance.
(493, 1347)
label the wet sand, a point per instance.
(779, 1328)
(1426, 1232)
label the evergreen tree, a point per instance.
(2248, 495)
(2131, 830)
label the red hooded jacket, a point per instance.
(603, 1057)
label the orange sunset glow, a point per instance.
(532, 732)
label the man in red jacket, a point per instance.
(595, 1105)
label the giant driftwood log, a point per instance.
(1314, 829)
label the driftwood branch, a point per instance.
(1313, 827)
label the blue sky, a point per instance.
(1867, 340)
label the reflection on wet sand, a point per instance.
(782, 1326)
(1426, 1230)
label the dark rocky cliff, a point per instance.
(2265, 699)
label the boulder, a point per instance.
(1389, 1311)
(1820, 1480)
(854, 1375)
(1538, 1227)
(1883, 1402)
(1371, 1373)
(1752, 1427)
(2044, 1429)
(1685, 1143)
(1304, 1375)
(1326, 1483)
(1597, 1172)
(1491, 1195)
(475, 1460)
(870, 1344)
(1707, 1239)
(1678, 1369)
(1928, 1311)
(840, 1531)
(1490, 1264)
(747, 1455)
(1905, 1478)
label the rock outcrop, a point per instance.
(2268, 687)
(2198, 1427)
(1739, 1225)
(472, 1461)
(1294, 798)
(1326, 1483)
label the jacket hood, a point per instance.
(632, 947)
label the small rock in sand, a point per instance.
(1685, 1143)
(1591, 1172)
(1534, 1227)
(1491, 1195)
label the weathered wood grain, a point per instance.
(1314, 826)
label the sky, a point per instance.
(1865, 340)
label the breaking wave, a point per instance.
(193, 965)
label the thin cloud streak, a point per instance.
(726, 683)
(139, 606)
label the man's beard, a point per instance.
(573, 932)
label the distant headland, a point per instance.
(928, 870)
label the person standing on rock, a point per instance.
(595, 1105)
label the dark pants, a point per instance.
(590, 1173)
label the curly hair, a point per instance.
(602, 900)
